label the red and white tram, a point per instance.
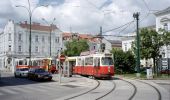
(46, 63)
(98, 65)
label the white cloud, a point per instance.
(84, 16)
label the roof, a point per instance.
(81, 36)
(37, 26)
(115, 41)
(167, 10)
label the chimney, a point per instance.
(35, 23)
(25, 22)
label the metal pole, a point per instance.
(50, 38)
(136, 16)
(30, 15)
(50, 29)
(30, 12)
(100, 35)
(59, 69)
(30, 43)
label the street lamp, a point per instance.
(30, 12)
(50, 29)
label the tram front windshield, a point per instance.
(107, 61)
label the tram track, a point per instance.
(108, 92)
(158, 92)
(135, 89)
(98, 84)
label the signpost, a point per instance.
(61, 59)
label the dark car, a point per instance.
(39, 74)
(165, 71)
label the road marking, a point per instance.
(7, 90)
(35, 88)
(1, 93)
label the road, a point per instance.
(80, 88)
(12, 88)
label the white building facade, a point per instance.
(127, 44)
(14, 42)
(163, 22)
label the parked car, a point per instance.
(39, 74)
(165, 71)
(21, 72)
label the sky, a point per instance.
(84, 16)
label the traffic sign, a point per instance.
(62, 58)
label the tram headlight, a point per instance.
(109, 69)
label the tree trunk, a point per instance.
(154, 67)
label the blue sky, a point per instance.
(84, 16)
(52, 2)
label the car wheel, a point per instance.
(15, 75)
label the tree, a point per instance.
(150, 42)
(75, 47)
(165, 37)
(123, 61)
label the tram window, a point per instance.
(25, 61)
(107, 61)
(53, 62)
(97, 62)
(35, 63)
(20, 62)
(79, 62)
(89, 61)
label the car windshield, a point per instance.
(107, 61)
(40, 70)
(24, 69)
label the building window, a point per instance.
(36, 38)
(20, 37)
(9, 47)
(19, 48)
(165, 26)
(94, 47)
(126, 47)
(49, 39)
(9, 36)
(43, 39)
(57, 40)
(36, 49)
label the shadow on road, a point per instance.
(10, 80)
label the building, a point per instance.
(163, 22)
(127, 43)
(116, 44)
(14, 42)
(93, 42)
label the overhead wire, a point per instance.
(118, 27)
(146, 5)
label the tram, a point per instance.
(46, 63)
(99, 65)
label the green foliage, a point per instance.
(150, 43)
(165, 36)
(123, 61)
(75, 47)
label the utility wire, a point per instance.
(125, 27)
(146, 5)
(118, 27)
(93, 5)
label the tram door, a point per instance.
(70, 63)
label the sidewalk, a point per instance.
(75, 80)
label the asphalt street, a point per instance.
(82, 88)
(12, 88)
